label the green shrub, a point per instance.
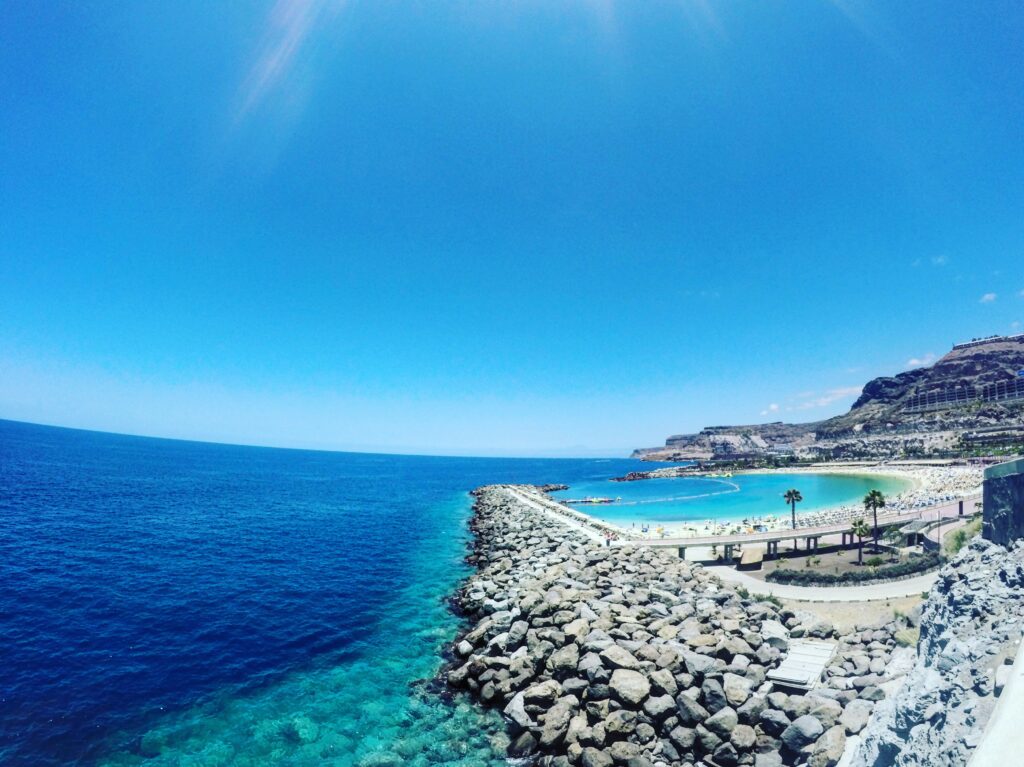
(917, 563)
(957, 539)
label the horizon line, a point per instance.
(399, 452)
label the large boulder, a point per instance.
(629, 687)
(690, 712)
(736, 688)
(615, 656)
(722, 722)
(802, 732)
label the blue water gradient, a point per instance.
(177, 603)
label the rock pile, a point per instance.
(970, 627)
(602, 656)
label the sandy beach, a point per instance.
(929, 486)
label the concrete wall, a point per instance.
(1003, 505)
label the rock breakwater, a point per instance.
(603, 655)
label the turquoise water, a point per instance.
(173, 603)
(743, 496)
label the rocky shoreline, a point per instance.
(970, 630)
(601, 656)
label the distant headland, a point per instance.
(970, 402)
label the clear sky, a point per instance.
(495, 227)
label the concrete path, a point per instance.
(866, 593)
(564, 519)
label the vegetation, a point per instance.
(860, 529)
(793, 498)
(957, 539)
(874, 501)
(917, 563)
(907, 637)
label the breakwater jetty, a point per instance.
(626, 655)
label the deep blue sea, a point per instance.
(182, 603)
(168, 603)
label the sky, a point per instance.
(531, 228)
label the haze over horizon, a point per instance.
(480, 228)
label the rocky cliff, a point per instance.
(971, 628)
(974, 388)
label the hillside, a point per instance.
(974, 394)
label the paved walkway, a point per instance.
(866, 593)
(579, 527)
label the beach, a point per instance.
(928, 486)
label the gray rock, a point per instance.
(663, 682)
(660, 707)
(743, 737)
(775, 634)
(774, 721)
(855, 716)
(592, 757)
(516, 712)
(543, 693)
(618, 657)
(802, 732)
(623, 751)
(565, 660)
(736, 688)
(828, 749)
(722, 722)
(827, 712)
(629, 687)
(750, 712)
(768, 759)
(683, 737)
(689, 711)
(556, 723)
(726, 755)
(713, 695)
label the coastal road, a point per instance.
(866, 593)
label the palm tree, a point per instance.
(861, 530)
(874, 501)
(793, 497)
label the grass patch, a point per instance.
(907, 637)
(957, 539)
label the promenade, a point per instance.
(865, 592)
(811, 536)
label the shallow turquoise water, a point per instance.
(744, 496)
(174, 603)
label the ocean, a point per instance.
(180, 603)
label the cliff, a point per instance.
(974, 395)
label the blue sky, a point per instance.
(481, 227)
